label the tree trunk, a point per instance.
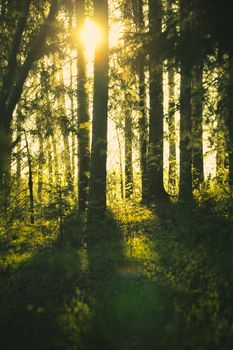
(172, 175)
(155, 151)
(73, 113)
(143, 132)
(221, 137)
(19, 145)
(128, 155)
(197, 125)
(40, 168)
(185, 191)
(97, 195)
(230, 118)
(30, 181)
(185, 188)
(83, 116)
(65, 132)
(121, 163)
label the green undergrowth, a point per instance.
(156, 279)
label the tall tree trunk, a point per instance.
(143, 132)
(97, 195)
(83, 116)
(172, 128)
(155, 151)
(197, 125)
(185, 188)
(230, 117)
(128, 155)
(73, 113)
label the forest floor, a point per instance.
(158, 279)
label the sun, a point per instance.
(91, 36)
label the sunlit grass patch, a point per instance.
(127, 212)
(13, 260)
(137, 247)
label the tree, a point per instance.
(97, 196)
(197, 124)
(171, 70)
(83, 115)
(128, 129)
(14, 77)
(143, 132)
(185, 189)
(155, 152)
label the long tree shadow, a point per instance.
(131, 311)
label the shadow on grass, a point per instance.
(131, 312)
(129, 290)
(49, 300)
(195, 257)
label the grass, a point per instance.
(152, 280)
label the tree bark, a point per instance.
(221, 137)
(128, 155)
(83, 116)
(185, 187)
(143, 131)
(97, 197)
(230, 118)
(172, 173)
(155, 151)
(30, 181)
(197, 125)
(121, 163)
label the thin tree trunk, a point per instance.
(185, 190)
(19, 145)
(30, 181)
(143, 132)
(100, 115)
(155, 151)
(73, 114)
(40, 168)
(64, 131)
(83, 116)
(128, 155)
(197, 125)
(230, 118)
(121, 164)
(172, 128)
(221, 138)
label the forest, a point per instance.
(116, 174)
